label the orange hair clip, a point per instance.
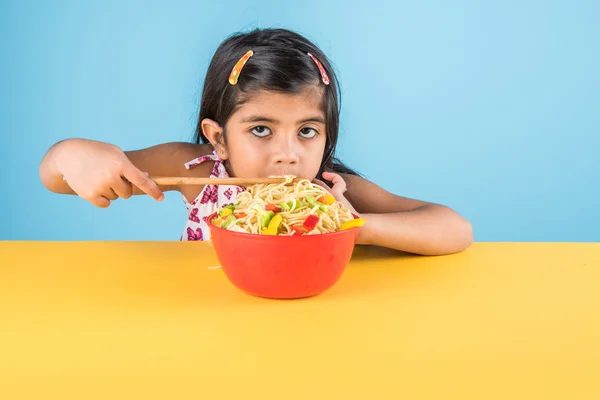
(237, 69)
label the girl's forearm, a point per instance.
(428, 230)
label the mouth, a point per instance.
(284, 172)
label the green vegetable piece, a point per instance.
(228, 221)
(312, 201)
(267, 218)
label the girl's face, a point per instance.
(273, 134)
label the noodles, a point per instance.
(287, 208)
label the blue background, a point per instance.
(490, 107)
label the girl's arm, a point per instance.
(100, 172)
(404, 224)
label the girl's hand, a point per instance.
(338, 189)
(100, 172)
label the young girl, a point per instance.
(269, 107)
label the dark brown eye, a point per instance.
(308, 133)
(261, 131)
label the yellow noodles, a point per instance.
(293, 202)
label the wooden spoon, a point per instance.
(173, 181)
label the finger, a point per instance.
(336, 194)
(122, 188)
(100, 201)
(339, 184)
(142, 182)
(96, 198)
(110, 194)
(322, 184)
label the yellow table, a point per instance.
(152, 320)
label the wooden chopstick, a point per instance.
(173, 181)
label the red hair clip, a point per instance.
(321, 69)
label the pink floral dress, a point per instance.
(208, 201)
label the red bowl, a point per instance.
(283, 267)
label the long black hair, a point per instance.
(280, 64)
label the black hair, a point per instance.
(280, 64)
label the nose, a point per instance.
(285, 152)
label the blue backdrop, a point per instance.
(490, 107)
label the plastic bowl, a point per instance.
(283, 267)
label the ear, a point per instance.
(214, 133)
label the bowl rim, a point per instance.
(269, 237)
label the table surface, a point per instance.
(153, 319)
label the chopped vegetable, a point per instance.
(267, 218)
(217, 222)
(311, 200)
(354, 223)
(316, 203)
(273, 225)
(298, 230)
(310, 222)
(327, 200)
(228, 221)
(225, 212)
(240, 215)
(272, 207)
(289, 206)
(293, 205)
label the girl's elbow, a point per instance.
(460, 235)
(464, 235)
